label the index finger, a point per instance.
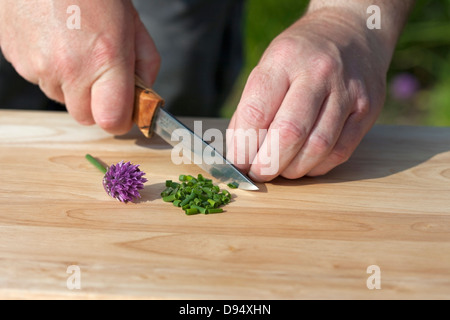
(261, 98)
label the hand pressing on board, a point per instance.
(90, 70)
(319, 86)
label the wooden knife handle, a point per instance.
(146, 103)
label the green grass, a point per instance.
(423, 51)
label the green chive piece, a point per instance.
(176, 203)
(96, 163)
(200, 209)
(218, 210)
(212, 202)
(191, 211)
(170, 198)
(233, 185)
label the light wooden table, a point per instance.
(389, 206)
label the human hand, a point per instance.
(320, 86)
(90, 70)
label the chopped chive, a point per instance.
(176, 203)
(170, 198)
(196, 195)
(233, 185)
(191, 211)
(200, 209)
(212, 202)
(218, 210)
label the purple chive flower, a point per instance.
(404, 86)
(123, 181)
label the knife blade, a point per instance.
(150, 117)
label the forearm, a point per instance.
(393, 16)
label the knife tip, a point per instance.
(248, 187)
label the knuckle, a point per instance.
(362, 102)
(254, 113)
(325, 65)
(282, 51)
(252, 108)
(319, 144)
(66, 67)
(55, 68)
(340, 155)
(104, 53)
(290, 131)
(362, 106)
(51, 90)
(284, 46)
(260, 79)
(41, 67)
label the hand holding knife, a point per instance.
(151, 118)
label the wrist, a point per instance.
(392, 16)
(347, 27)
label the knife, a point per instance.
(150, 117)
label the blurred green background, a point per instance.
(418, 90)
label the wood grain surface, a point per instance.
(311, 238)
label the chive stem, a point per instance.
(96, 163)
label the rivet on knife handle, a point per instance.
(146, 103)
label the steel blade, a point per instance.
(201, 153)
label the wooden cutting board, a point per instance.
(389, 207)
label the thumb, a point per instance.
(112, 98)
(113, 92)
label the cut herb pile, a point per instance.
(196, 195)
